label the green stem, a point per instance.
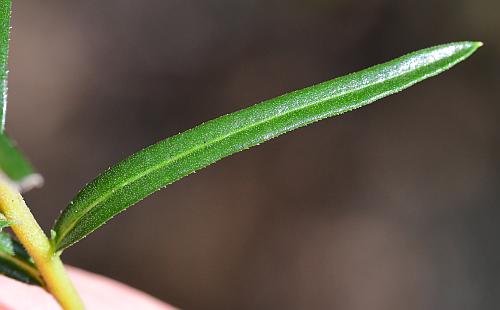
(39, 247)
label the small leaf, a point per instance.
(5, 11)
(16, 169)
(174, 158)
(16, 263)
(3, 224)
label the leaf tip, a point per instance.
(474, 45)
(465, 48)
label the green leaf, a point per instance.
(16, 263)
(5, 11)
(16, 168)
(174, 158)
(12, 162)
(3, 223)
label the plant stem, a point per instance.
(39, 247)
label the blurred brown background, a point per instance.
(395, 206)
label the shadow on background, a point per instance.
(391, 207)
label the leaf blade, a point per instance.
(3, 223)
(16, 168)
(5, 12)
(12, 162)
(171, 159)
(16, 263)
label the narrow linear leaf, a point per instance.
(5, 11)
(16, 263)
(174, 158)
(17, 170)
